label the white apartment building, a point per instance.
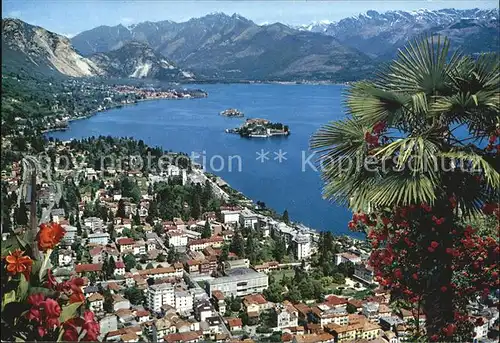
(286, 315)
(248, 219)
(65, 258)
(183, 301)
(370, 311)
(239, 282)
(177, 238)
(325, 314)
(99, 238)
(346, 257)
(230, 217)
(139, 248)
(159, 295)
(70, 235)
(364, 273)
(302, 246)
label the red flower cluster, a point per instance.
(373, 138)
(408, 241)
(49, 236)
(72, 288)
(44, 312)
(18, 263)
(492, 142)
(87, 323)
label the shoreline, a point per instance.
(94, 113)
(251, 202)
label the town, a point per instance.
(177, 255)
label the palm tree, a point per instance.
(408, 137)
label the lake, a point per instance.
(282, 181)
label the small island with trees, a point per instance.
(260, 128)
(232, 113)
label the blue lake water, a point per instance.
(196, 126)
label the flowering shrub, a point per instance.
(34, 306)
(420, 255)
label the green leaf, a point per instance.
(8, 298)
(61, 333)
(37, 264)
(9, 245)
(69, 311)
(21, 242)
(22, 288)
(45, 265)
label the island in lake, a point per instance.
(260, 128)
(232, 112)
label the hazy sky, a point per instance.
(72, 16)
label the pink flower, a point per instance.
(33, 314)
(36, 299)
(52, 308)
(70, 332)
(434, 244)
(41, 331)
(51, 281)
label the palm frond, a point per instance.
(470, 161)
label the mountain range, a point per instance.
(231, 48)
(218, 46)
(380, 35)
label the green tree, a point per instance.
(235, 304)
(237, 245)
(279, 250)
(195, 206)
(351, 308)
(150, 266)
(285, 217)
(111, 266)
(207, 230)
(134, 295)
(120, 212)
(224, 253)
(173, 255)
(108, 301)
(137, 218)
(161, 258)
(79, 228)
(415, 124)
(129, 261)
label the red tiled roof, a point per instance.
(213, 239)
(332, 300)
(255, 299)
(142, 313)
(80, 268)
(95, 251)
(286, 337)
(218, 295)
(234, 322)
(182, 337)
(119, 264)
(153, 271)
(125, 241)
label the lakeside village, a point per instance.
(260, 128)
(179, 256)
(106, 97)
